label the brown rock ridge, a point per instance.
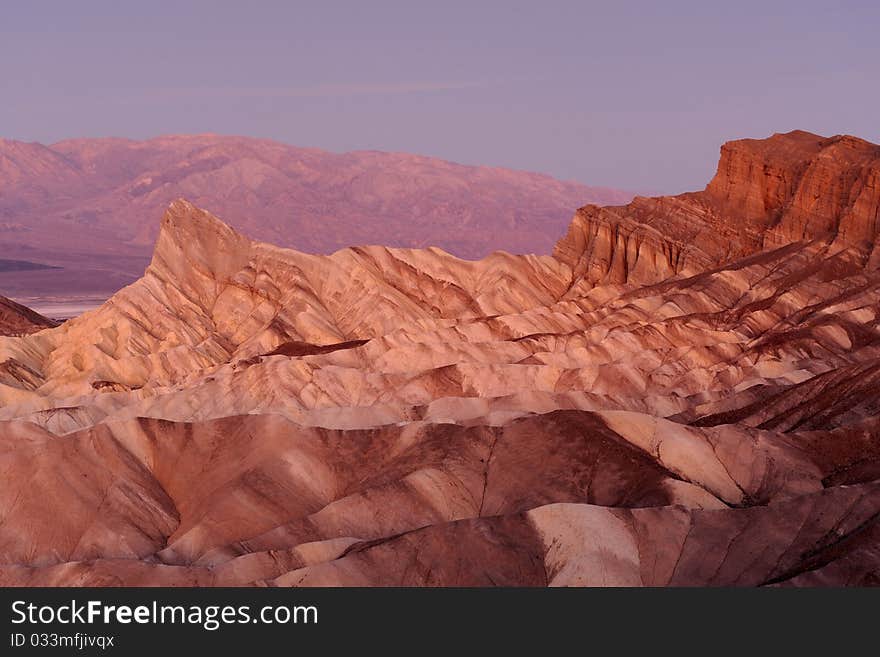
(16, 319)
(794, 187)
(247, 415)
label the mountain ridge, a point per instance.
(16, 319)
(762, 195)
(89, 206)
(251, 415)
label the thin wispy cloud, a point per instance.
(324, 90)
(367, 89)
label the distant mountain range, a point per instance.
(91, 206)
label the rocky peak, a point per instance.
(766, 193)
(799, 185)
(192, 240)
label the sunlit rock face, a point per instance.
(767, 193)
(686, 393)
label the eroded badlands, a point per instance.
(685, 393)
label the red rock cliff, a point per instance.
(766, 193)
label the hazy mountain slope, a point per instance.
(90, 205)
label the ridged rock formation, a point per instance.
(650, 407)
(766, 193)
(16, 319)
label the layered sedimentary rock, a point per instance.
(250, 415)
(767, 193)
(16, 319)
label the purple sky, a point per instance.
(636, 95)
